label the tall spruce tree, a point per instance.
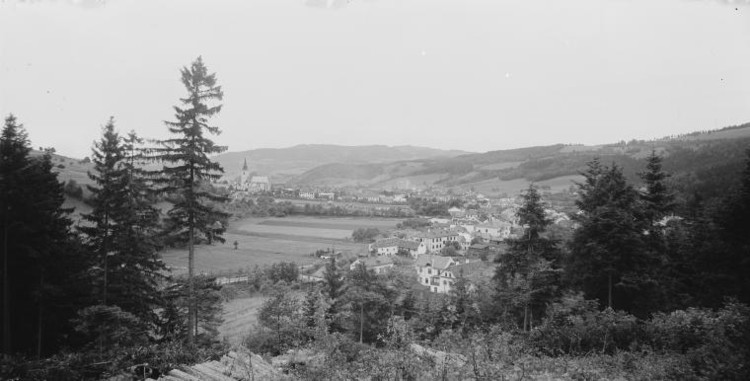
(526, 277)
(657, 199)
(607, 247)
(122, 229)
(660, 263)
(42, 264)
(188, 166)
(109, 198)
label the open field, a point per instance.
(239, 316)
(263, 241)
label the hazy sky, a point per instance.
(476, 75)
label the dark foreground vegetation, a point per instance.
(649, 283)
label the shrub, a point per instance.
(576, 326)
(715, 343)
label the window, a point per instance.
(429, 272)
(434, 289)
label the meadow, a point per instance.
(238, 318)
(263, 241)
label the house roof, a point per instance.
(386, 242)
(439, 234)
(373, 262)
(435, 261)
(407, 244)
(259, 179)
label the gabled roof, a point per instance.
(407, 244)
(373, 262)
(386, 242)
(435, 261)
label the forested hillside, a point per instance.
(699, 163)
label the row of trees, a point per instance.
(628, 250)
(101, 283)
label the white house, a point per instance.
(441, 273)
(391, 246)
(387, 246)
(436, 241)
(429, 268)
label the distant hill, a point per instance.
(697, 160)
(283, 163)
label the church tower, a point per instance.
(244, 175)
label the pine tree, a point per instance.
(607, 247)
(658, 201)
(188, 166)
(109, 197)
(14, 151)
(526, 275)
(121, 229)
(42, 265)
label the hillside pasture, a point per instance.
(513, 187)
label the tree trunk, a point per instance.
(531, 319)
(361, 321)
(525, 316)
(6, 292)
(39, 318)
(609, 289)
(191, 291)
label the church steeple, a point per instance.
(244, 167)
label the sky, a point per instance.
(474, 75)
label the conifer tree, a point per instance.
(42, 266)
(607, 248)
(109, 195)
(187, 166)
(122, 227)
(526, 276)
(658, 201)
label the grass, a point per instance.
(263, 241)
(239, 316)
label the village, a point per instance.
(463, 241)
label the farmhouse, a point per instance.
(379, 265)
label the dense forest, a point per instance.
(649, 283)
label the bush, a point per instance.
(715, 343)
(283, 271)
(576, 326)
(366, 235)
(73, 190)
